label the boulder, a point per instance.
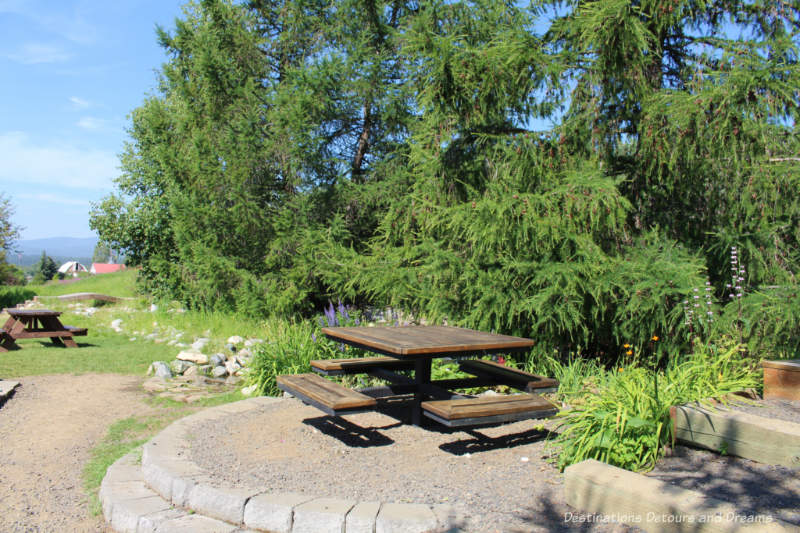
(193, 370)
(235, 339)
(217, 359)
(249, 391)
(199, 344)
(193, 357)
(230, 347)
(233, 380)
(252, 342)
(179, 367)
(244, 352)
(232, 366)
(160, 369)
(219, 372)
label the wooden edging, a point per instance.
(602, 493)
(722, 430)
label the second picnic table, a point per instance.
(413, 348)
(36, 324)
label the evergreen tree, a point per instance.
(46, 268)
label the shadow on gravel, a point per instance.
(750, 486)
(481, 443)
(350, 434)
(549, 513)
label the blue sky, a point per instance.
(71, 73)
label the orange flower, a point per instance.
(621, 369)
(626, 345)
(629, 352)
(655, 338)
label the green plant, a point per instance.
(626, 421)
(11, 296)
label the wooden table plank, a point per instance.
(436, 341)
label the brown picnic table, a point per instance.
(412, 349)
(36, 324)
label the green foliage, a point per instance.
(625, 421)
(11, 296)
(388, 152)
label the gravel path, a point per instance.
(47, 429)
(499, 476)
(772, 408)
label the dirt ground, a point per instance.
(47, 429)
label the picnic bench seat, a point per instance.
(519, 379)
(486, 410)
(76, 331)
(330, 397)
(358, 365)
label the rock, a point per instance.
(161, 370)
(205, 370)
(219, 372)
(193, 356)
(217, 359)
(132, 339)
(153, 308)
(90, 311)
(171, 343)
(233, 380)
(235, 339)
(232, 366)
(115, 325)
(179, 367)
(193, 370)
(181, 345)
(230, 347)
(199, 344)
(249, 391)
(244, 352)
(151, 336)
(155, 385)
(252, 342)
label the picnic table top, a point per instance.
(30, 312)
(426, 340)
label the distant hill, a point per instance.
(61, 249)
(58, 246)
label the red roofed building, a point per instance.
(105, 268)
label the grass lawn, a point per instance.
(122, 284)
(99, 351)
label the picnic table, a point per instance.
(36, 324)
(412, 349)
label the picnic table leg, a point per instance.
(7, 342)
(422, 376)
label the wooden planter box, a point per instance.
(782, 379)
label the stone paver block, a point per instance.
(448, 519)
(7, 387)
(405, 518)
(654, 505)
(361, 518)
(273, 512)
(218, 502)
(163, 476)
(125, 514)
(112, 493)
(321, 515)
(150, 523)
(195, 524)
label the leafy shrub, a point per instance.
(11, 296)
(626, 422)
(296, 344)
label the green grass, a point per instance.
(123, 436)
(122, 284)
(99, 351)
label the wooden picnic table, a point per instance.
(36, 324)
(413, 348)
